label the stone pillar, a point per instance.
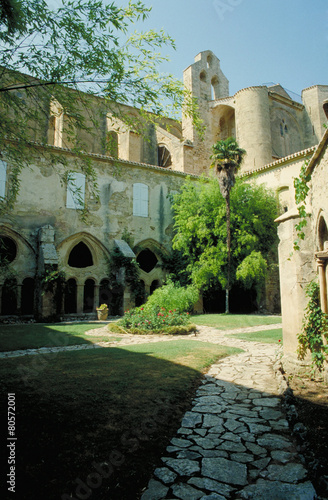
(19, 298)
(79, 298)
(321, 263)
(96, 297)
(128, 303)
(47, 263)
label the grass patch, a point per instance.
(265, 336)
(230, 321)
(79, 410)
(35, 335)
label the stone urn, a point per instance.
(102, 312)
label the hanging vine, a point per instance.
(301, 185)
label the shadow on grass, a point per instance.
(36, 335)
(94, 423)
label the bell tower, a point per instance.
(205, 80)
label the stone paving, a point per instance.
(235, 442)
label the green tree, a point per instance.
(11, 16)
(54, 54)
(201, 233)
(227, 156)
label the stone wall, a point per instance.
(133, 198)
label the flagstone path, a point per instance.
(235, 442)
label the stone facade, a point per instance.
(46, 233)
(136, 173)
(299, 268)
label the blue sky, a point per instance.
(257, 41)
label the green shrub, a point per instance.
(172, 296)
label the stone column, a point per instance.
(96, 297)
(323, 284)
(79, 298)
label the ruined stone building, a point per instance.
(45, 230)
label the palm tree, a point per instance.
(227, 156)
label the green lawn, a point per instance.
(35, 335)
(265, 336)
(78, 410)
(230, 321)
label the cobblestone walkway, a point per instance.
(235, 442)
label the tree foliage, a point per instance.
(200, 232)
(227, 157)
(54, 54)
(11, 16)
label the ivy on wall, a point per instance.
(314, 333)
(123, 271)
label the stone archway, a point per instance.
(322, 260)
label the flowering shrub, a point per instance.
(153, 318)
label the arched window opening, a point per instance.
(155, 284)
(27, 298)
(112, 143)
(80, 256)
(215, 92)
(8, 250)
(209, 61)
(164, 157)
(9, 297)
(147, 260)
(104, 292)
(70, 297)
(322, 233)
(88, 296)
(202, 76)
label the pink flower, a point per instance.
(141, 309)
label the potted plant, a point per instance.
(102, 312)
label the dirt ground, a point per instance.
(310, 398)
